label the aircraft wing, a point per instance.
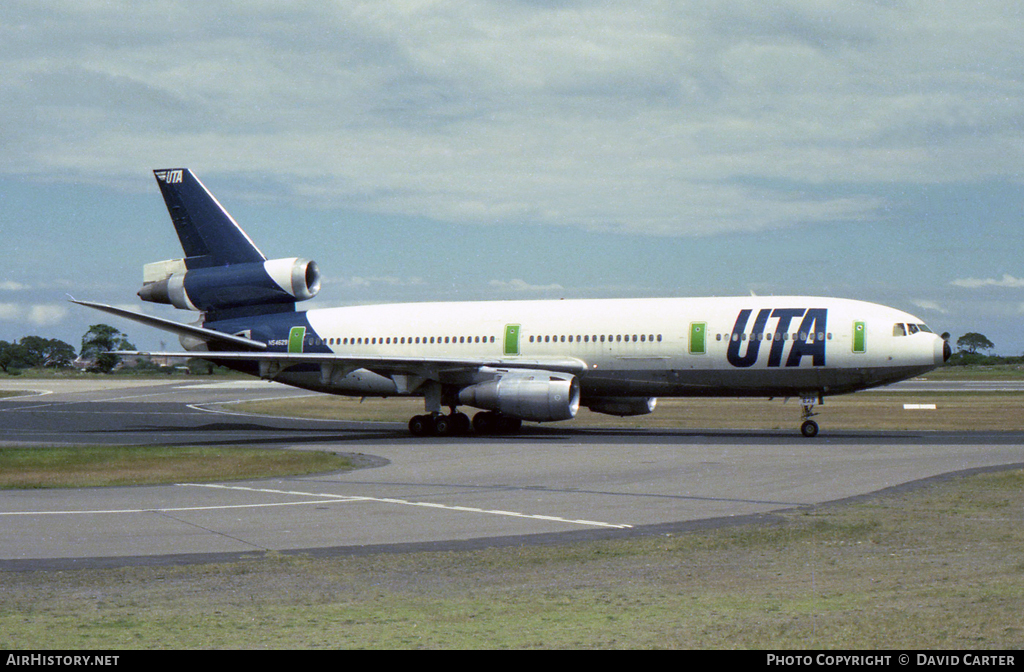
(379, 364)
(408, 373)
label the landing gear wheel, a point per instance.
(484, 422)
(507, 425)
(460, 423)
(421, 425)
(809, 428)
(443, 425)
(489, 422)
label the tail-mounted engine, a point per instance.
(276, 281)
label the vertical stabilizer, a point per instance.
(208, 234)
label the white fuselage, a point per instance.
(732, 346)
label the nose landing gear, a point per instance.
(808, 427)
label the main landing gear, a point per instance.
(808, 427)
(457, 424)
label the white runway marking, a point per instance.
(320, 498)
(164, 510)
(403, 502)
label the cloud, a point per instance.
(374, 281)
(927, 304)
(46, 314)
(641, 118)
(37, 315)
(976, 283)
(10, 312)
(12, 286)
(518, 285)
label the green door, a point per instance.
(296, 338)
(511, 339)
(698, 335)
(859, 337)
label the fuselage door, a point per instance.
(296, 339)
(860, 337)
(698, 338)
(511, 346)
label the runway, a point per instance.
(545, 485)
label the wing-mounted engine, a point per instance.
(622, 406)
(277, 281)
(539, 396)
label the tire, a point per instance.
(443, 425)
(509, 425)
(809, 429)
(421, 425)
(484, 422)
(460, 423)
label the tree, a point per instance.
(12, 356)
(97, 344)
(39, 352)
(971, 342)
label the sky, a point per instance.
(423, 151)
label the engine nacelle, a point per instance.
(622, 406)
(540, 396)
(219, 287)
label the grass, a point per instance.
(977, 372)
(89, 466)
(935, 568)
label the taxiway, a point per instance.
(545, 485)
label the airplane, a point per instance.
(515, 361)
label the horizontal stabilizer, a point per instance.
(201, 333)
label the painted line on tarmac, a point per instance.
(404, 502)
(320, 499)
(160, 510)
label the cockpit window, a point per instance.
(909, 329)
